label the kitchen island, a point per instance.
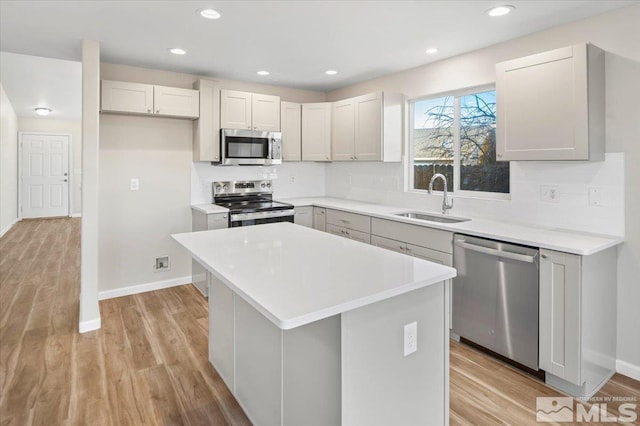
(309, 328)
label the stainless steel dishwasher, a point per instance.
(495, 297)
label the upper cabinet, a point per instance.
(316, 131)
(253, 111)
(368, 128)
(551, 105)
(291, 128)
(138, 98)
(206, 130)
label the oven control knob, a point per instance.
(263, 185)
(268, 185)
(225, 187)
(218, 188)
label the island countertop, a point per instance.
(295, 275)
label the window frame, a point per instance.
(409, 166)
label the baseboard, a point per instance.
(142, 288)
(75, 215)
(90, 325)
(8, 227)
(628, 369)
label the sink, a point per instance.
(432, 217)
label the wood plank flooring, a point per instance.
(148, 363)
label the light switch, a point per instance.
(134, 185)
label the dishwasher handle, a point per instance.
(495, 252)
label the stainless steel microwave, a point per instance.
(250, 147)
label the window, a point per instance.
(455, 135)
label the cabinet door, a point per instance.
(430, 255)
(340, 231)
(320, 219)
(560, 332)
(316, 131)
(544, 104)
(235, 109)
(358, 222)
(368, 127)
(176, 102)
(363, 237)
(206, 129)
(217, 221)
(291, 128)
(304, 216)
(265, 113)
(120, 96)
(389, 244)
(343, 130)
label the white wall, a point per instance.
(135, 226)
(8, 164)
(615, 32)
(47, 125)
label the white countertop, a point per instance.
(554, 239)
(209, 208)
(295, 275)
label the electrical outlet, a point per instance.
(410, 338)
(162, 264)
(292, 179)
(549, 193)
(134, 185)
(596, 196)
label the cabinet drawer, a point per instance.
(341, 231)
(389, 244)
(353, 221)
(430, 255)
(434, 239)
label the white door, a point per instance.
(45, 175)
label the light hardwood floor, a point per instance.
(148, 363)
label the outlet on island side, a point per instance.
(410, 338)
(162, 264)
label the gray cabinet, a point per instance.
(349, 225)
(206, 129)
(577, 314)
(202, 222)
(291, 128)
(551, 106)
(304, 216)
(320, 219)
(146, 99)
(251, 111)
(316, 131)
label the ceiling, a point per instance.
(296, 41)
(33, 81)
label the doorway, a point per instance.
(44, 175)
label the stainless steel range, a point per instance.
(251, 202)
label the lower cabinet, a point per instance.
(304, 216)
(202, 222)
(577, 319)
(349, 225)
(320, 219)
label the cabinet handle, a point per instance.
(544, 256)
(157, 111)
(149, 110)
(355, 157)
(499, 155)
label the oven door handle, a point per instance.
(496, 252)
(262, 215)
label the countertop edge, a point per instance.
(318, 202)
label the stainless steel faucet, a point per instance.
(445, 205)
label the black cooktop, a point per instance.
(252, 205)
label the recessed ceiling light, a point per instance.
(43, 111)
(331, 72)
(209, 13)
(263, 72)
(431, 51)
(500, 10)
(177, 51)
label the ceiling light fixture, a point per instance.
(263, 72)
(331, 72)
(209, 13)
(177, 51)
(431, 51)
(500, 10)
(43, 111)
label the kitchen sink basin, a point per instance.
(432, 217)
